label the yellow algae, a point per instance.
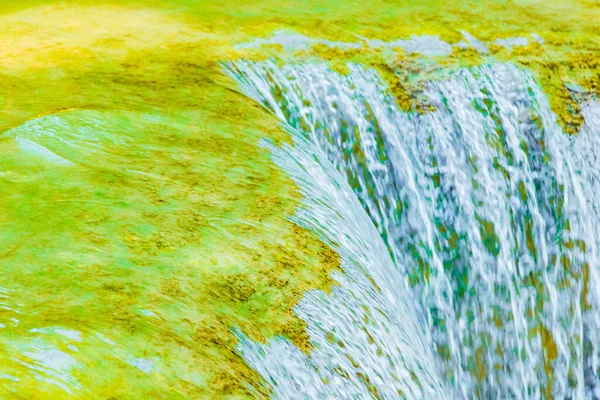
(242, 22)
(567, 30)
(550, 354)
(160, 246)
(382, 60)
(164, 248)
(395, 84)
(467, 57)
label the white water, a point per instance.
(468, 237)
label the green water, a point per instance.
(139, 218)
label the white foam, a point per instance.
(451, 230)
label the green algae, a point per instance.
(90, 246)
(155, 247)
(168, 229)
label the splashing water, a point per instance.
(468, 237)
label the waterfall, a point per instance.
(468, 237)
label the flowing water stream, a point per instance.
(468, 236)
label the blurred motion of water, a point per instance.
(469, 237)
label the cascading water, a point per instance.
(468, 237)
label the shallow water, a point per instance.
(143, 227)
